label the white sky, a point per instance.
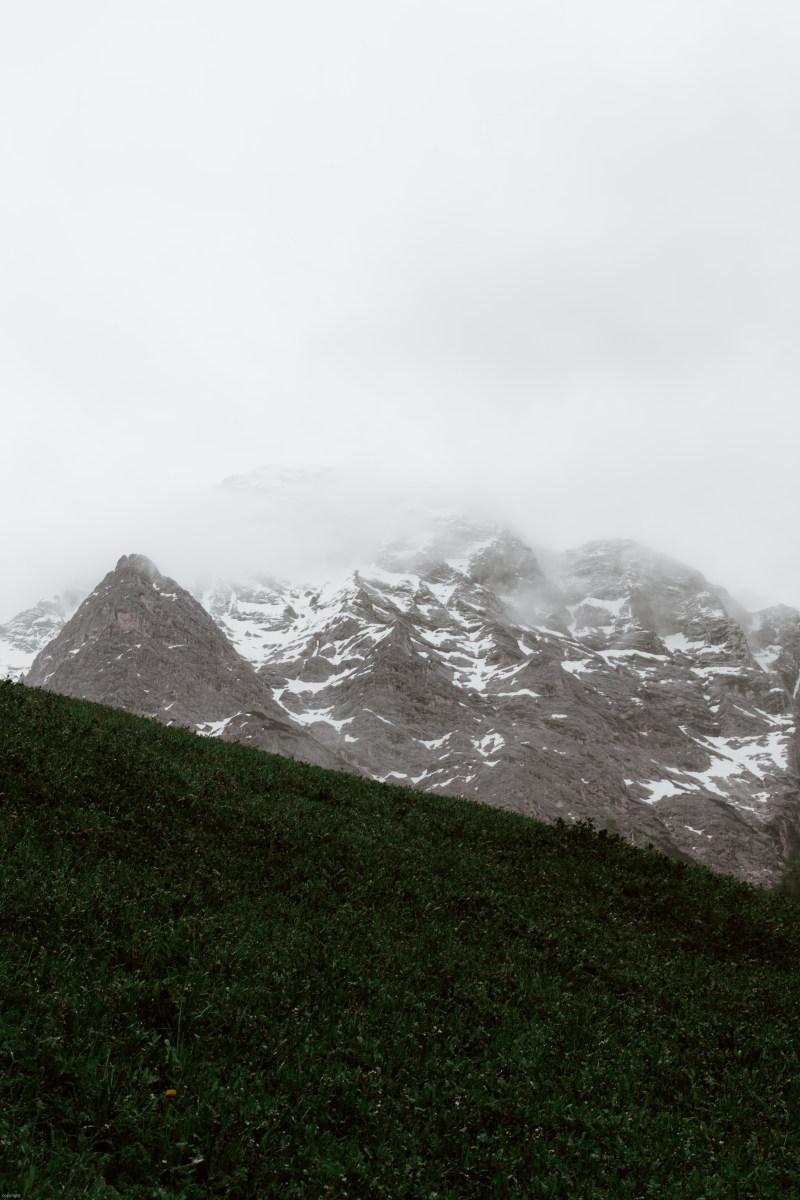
(546, 252)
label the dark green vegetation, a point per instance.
(224, 973)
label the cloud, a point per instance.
(544, 255)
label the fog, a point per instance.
(540, 261)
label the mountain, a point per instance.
(622, 688)
(619, 686)
(29, 631)
(140, 642)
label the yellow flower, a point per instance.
(170, 1092)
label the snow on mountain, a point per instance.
(623, 690)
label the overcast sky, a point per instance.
(546, 252)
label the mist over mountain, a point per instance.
(310, 522)
(608, 682)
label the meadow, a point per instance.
(228, 974)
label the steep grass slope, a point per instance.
(225, 973)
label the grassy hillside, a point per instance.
(224, 973)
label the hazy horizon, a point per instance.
(326, 523)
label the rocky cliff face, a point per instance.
(620, 687)
(142, 643)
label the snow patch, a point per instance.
(489, 744)
(659, 789)
(767, 657)
(435, 743)
(679, 641)
(578, 666)
(215, 728)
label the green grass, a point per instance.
(356, 990)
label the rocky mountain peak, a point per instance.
(141, 642)
(623, 568)
(624, 583)
(138, 564)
